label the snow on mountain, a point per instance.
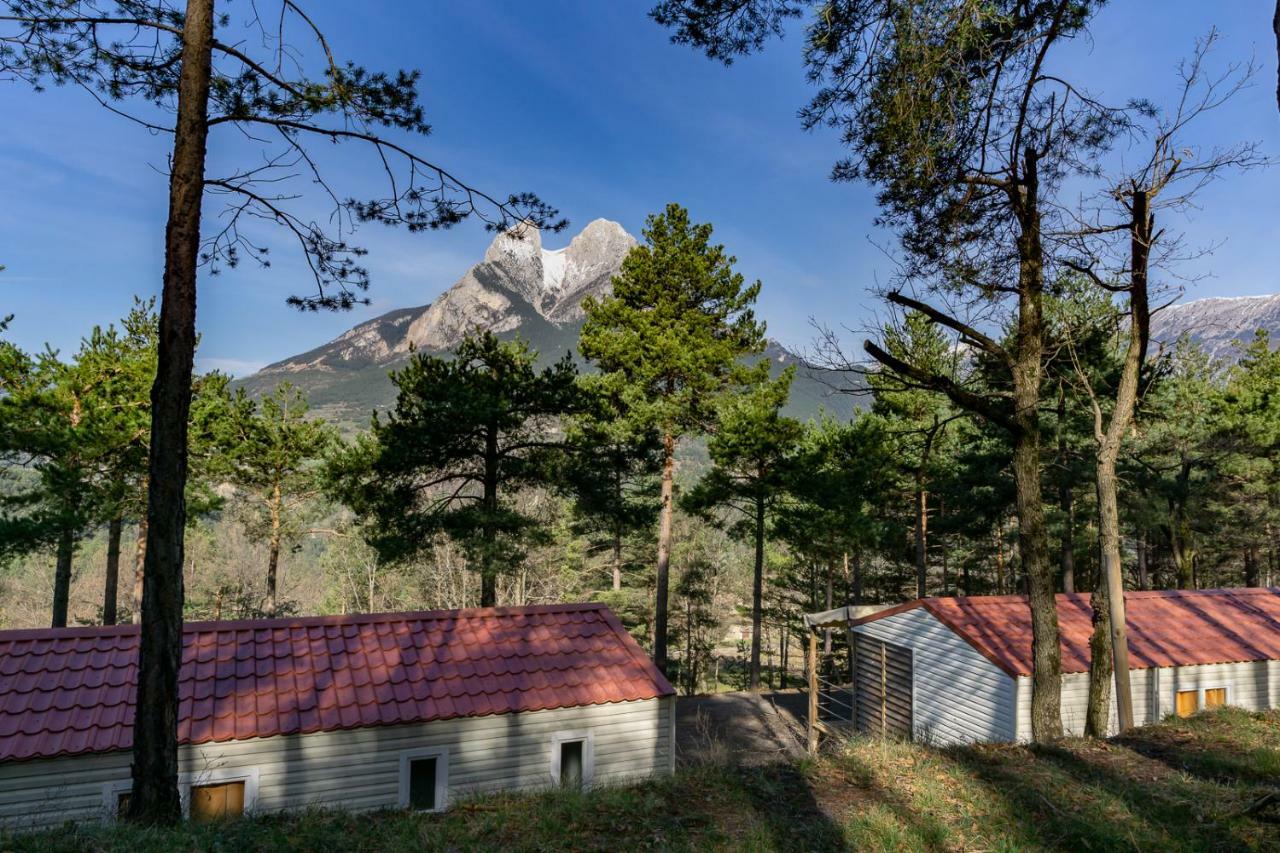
(520, 287)
(1219, 323)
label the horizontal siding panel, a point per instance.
(358, 769)
(959, 695)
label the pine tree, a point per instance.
(672, 332)
(611, 471)
(466, 433)
(751, 449)
(271, 452)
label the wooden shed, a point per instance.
(957, 670)
(355, 712)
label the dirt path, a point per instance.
(742, 728)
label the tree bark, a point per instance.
(662, 578)
(488, 568)
(154, 797)
(273, 558)
(857, 577)
(1110, 630)
(1066, 498)
(1252, 575)
(1046, 680)
(922, 517)
(139, 560)
(111, 587)
(617, 562)
(1097, 716)
(62, 576)
(757, 594)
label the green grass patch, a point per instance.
(1198, 784)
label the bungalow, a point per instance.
(955, 670)
(409, 710)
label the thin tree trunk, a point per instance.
(662, 578)
(1046, 679)
(757, 595)
(857, 576)
(826, 632)
(922, 533)
(617, 562)
(154, 797)
(273, 558)
(62, 577)
(139, 563)
(111, 587)
(1112, 630)
(488, 566)
(1144, 560)
(1066, 498)
(1252, 575)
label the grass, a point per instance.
(1198, 784)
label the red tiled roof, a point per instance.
(71, 690)
(1166, 627)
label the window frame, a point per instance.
(1226, 695)
(111, 792)
(441, 755)
(220, 776)
(588, 739)
(1199, 701)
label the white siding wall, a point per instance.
(359, 769)
(960, 696)
(1254, 686)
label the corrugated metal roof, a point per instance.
(71, 690)
(1166, 627)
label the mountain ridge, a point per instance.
(518, 289)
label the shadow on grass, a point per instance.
(1227, 746)
(1102, 796)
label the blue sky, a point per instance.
(587, 104)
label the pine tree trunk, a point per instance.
(826, 632)
(1114, 638)
(489, 535)
(1066, 499)
(662, 578)
(1097, 716)
(111, 586)
(1252, 576)
(617, 562)
(154, 796)
(62, 577)
(1046, 680)
(757, 594)
(273, 558)
(139, 563)
(922, 533)
(857, 577)
(1144, 560)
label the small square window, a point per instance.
(217, 802)
(1215, 697)
(123, 799)
(1187, 702)
(424, 779)
(422, 783)
(571, 764)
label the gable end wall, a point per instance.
(959, 695)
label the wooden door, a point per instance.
(217, 802)
(1215, 697)
(883, 677)
(1187, 702)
